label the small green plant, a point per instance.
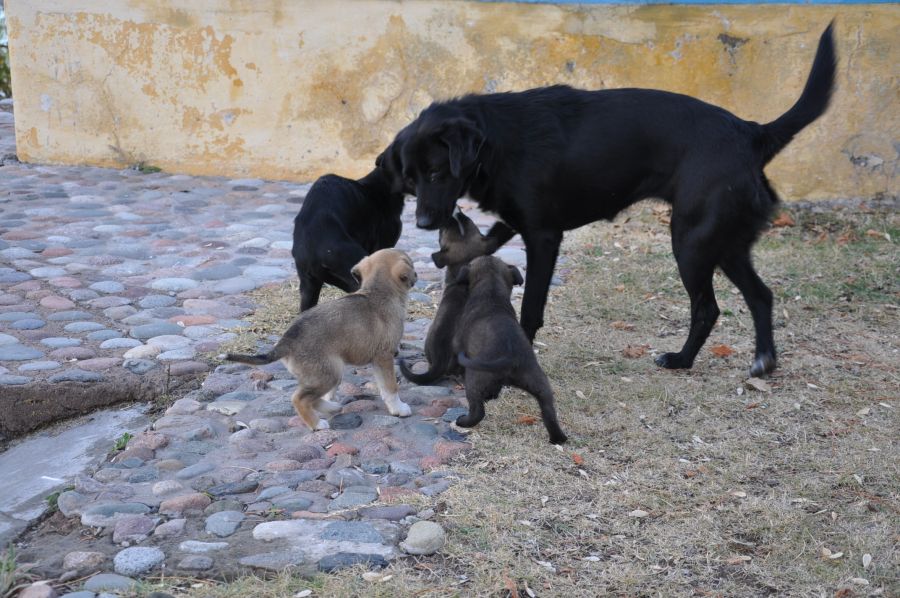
(122, 441)
(13, 577)
(145, 168)
(52, 499)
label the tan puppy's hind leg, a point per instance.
(387, 384)
(326, 405)
(303, 405)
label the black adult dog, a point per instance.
(492, 347)
(552, 159)
(341, 222)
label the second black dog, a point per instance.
(341, 222)
(493, 348)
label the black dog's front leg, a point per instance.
(498, 236)
(541, 249)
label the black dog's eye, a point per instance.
(434, 175)
(411, 184)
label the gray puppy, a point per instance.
(362, 328)
(460, 243)
(493, 348)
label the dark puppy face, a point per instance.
(438, 160)
(488, 268)
(460, 241)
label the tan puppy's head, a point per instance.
(386, 266)
(460, 242)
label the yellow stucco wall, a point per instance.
(295, 88)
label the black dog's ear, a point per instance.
(516, 276)
(379, 160)
(463, 276)
(356, 274)
(439, 258)
(464, 139)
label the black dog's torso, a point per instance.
(554, 173)
(342, 221)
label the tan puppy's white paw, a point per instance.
(322, 425)
(397, 407)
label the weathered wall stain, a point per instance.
(295, 89)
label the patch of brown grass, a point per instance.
(687, 483)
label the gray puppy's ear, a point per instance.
(464, 139)
(439, 258)
(516, 276)
(463, 276)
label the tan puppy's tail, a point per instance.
(258, 359)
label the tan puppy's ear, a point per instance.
(405, 273)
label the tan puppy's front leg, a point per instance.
(387, 384)
(303, 405)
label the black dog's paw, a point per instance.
(673, 361)
(559, 438)
(464, 421)
(762, 365)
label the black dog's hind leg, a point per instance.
(480, 387)
(696, 266)
(536, 383)
(541, 249)
(310, 288)
(739, 269)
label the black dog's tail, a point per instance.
(812, 103)
(436, 370)
(500, 364)
(258, 359)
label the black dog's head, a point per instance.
(439, 158)
(390, 161)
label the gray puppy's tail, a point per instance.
(258, 359)
(500, 364)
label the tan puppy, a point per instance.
(357, 329)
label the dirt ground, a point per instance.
(682, 483)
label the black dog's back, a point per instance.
(340, 222)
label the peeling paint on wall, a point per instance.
(296, 89)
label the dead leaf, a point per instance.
(690, 473)
(844, 593)
(877, 234)
(784, 219)
(510, 586)
(620, 325)
(580, 395)
(578, 459)
(722, 351)
(737, 560)
(759, 384)
(867, 560)
(751, 406)
(619, 288)
(526, 420)
(638, 513)
(635, 351)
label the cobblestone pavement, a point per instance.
(116, 274)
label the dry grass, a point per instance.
(673, 483)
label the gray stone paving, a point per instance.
(114, 274)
